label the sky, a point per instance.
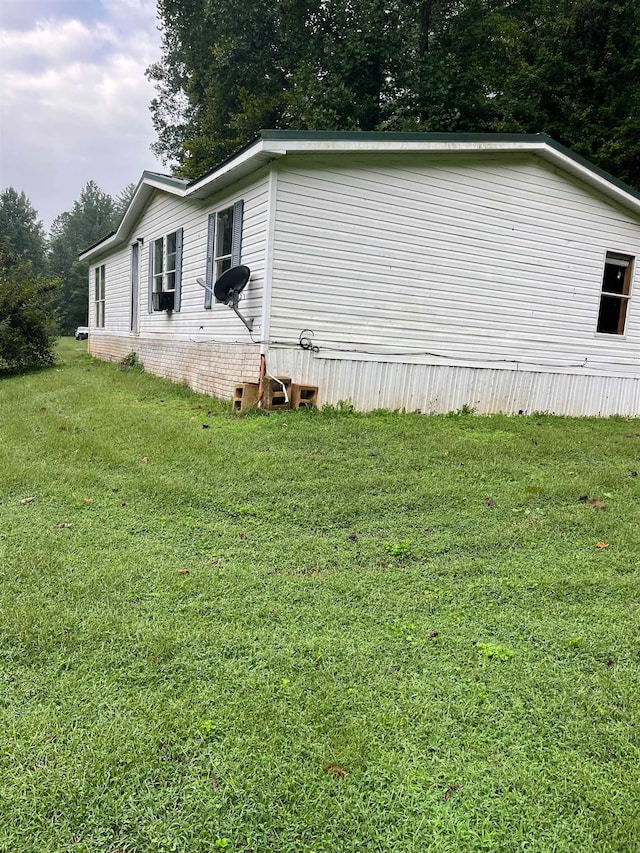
(74, 99)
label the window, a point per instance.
(164, 263)
(223, 245)
(165, 272)
(224, 241)
(616, 288)
(99, 295)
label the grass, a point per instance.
(312, 631)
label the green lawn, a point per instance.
(312, 631)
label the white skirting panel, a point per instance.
(443, 388)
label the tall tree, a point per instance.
(567, 67)
(93, 215)
(19, 224)
(221, 77)
(122, 201)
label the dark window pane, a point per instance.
(612, 315)
(614, 278)
(222, 266)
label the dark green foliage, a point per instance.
(92, 217)
(221, 78)
(19, 225)
(569, 68)
(27, 324)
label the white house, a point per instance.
(417, 271)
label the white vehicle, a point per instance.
(82, 333)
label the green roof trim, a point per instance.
(393, 136)
(97, 243)
(169, 180)
(417, 136)
(587, 164)
(543, 140)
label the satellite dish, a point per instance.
(230, 285)
(228, 288)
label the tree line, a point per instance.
(569, 68)
(43, 285)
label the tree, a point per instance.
(19, 224)
(221, 78)
(570, 68)
(122, 201)
(27, 321)
(586, 68)
(93, 216)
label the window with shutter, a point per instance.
(224, 245)
(165, 272)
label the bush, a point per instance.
(27, 320)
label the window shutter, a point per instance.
(150, 277)
(211, 236)
(178, 291)
(236, 237)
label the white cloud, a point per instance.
(74, 103)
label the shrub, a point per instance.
(27, 320)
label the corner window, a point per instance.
(99, 295)
(616, 289)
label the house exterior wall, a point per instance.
(430, 283)
(211, 349)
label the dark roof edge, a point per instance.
(169, 180)
(399, 136)
(228, 159)
(587, 164)
(97, 243)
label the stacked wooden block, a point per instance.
(278, 394)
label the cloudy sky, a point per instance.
(74, 100)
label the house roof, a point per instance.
(273, 144)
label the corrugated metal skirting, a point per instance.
(442, 388)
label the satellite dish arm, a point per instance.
(232, 303)
(204, 285)
(248, 323)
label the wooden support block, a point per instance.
(303, 396)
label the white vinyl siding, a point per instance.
(117, 276)
(488, 261)
(165, 215)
